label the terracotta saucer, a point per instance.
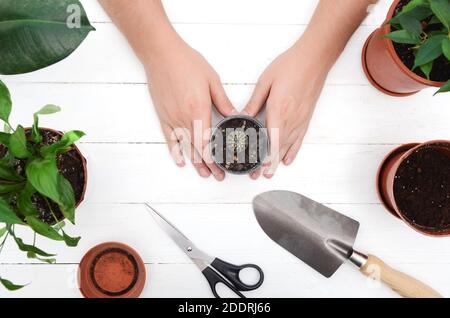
(111, 270)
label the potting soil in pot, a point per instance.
(237, 145)
(441, 66)
(422, 188)
(114, 272)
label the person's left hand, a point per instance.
(289, 87)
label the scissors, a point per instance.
(214, 269)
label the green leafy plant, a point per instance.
(35, 34)
(28, 171)
(425, 26)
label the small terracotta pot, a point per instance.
(384, 68)
(111, 270)
(386, 177)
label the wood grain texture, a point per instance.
(399, 282)
(103, 91)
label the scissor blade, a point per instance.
(180, 239)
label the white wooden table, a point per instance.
(102, 90)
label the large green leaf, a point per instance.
(30, 248)
(441, 8)
(411, 24)
(9, 285)
(67, 140)
(43, 228)
(445, 88)
(446, 48)
(430, 50)
(46, 110)
(11, 187)
(24, 200)
(403, 36)
(419, 12)
(412, 4)
(67, 198)
(5, 100)
(42, 173)
(71, 241)
(18, 143)
(7, 215)
(35, 34)
(44, 176)
(8, 173)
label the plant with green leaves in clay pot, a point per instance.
(43, 178)
(411, 51)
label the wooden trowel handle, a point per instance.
(401, 283)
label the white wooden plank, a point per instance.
(232, 233)
(185, 281)
(239, 53)
(124, 113)
(240, 12)
(229, 231)
(140, 172)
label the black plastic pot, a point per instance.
(239, 144)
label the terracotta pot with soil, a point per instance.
(71, 164)
(111, 270)
(388, 65)
(414, 184)
(239, 144)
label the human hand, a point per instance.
(183, 87)
(289, 87)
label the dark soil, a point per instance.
(422, 188)
(70, 165)
(441, 66)
(114, 272)
(239, 145)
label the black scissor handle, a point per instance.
(214, 279)
(231, 272)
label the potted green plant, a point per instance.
(43, 178)
(411, 50)
(414, 184)
(239, 144)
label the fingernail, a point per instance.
(268, 176)
(218, 176)
(287, 161)
(204, 172)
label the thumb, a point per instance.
(221, 100)
(258, 99)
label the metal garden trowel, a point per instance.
(324, 238)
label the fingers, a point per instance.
(174, 146)
(292, 152)
(202, 133)
(259, 97)
(221, 100)
(274, 125)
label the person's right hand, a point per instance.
(184, 87)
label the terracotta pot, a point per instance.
(79, 154)
(386, 177)
(384, 68)
(111, 270)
